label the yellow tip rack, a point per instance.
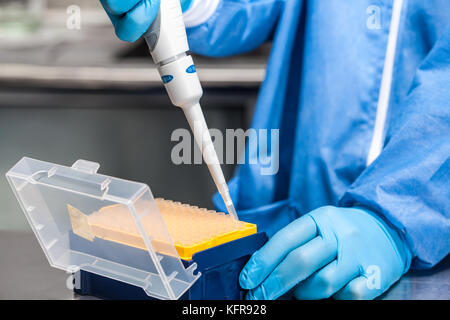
(192, 229)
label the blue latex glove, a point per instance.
(346, 253)
(132, 18)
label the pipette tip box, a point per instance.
(220, 267)
(125, 244)
(217, 244)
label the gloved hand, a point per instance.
(346, 253)
(132, 18)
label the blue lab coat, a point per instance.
(321, 90)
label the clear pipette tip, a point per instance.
(232, 210)
(225, 193)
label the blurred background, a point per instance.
(69, 89)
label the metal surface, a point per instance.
(93, 57)
(128, 133)
(116, 77)
(423, 285)
(26, 274)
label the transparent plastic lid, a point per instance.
(62, 205)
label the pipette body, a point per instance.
(167, 41)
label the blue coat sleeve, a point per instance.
(236, 26)
(409, 183)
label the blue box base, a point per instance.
(220, 267)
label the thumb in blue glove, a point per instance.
(345, 253)
(132, 18)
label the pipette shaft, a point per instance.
(168, 45)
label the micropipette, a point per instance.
(167, 41)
